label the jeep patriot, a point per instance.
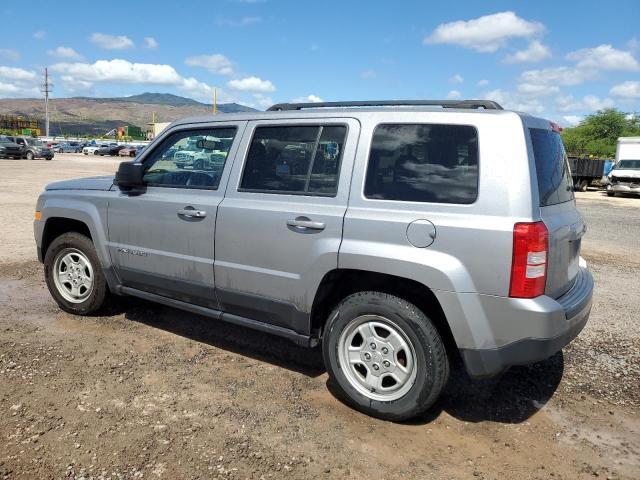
(399, 236)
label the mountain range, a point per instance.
(96, 116)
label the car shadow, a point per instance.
(513, 397)
(233, 338)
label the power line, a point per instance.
(46, 89)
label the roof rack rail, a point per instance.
(486, 104)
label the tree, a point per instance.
(598, 133)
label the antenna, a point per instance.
(46, 90)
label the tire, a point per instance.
(29, 156)
(611, 193)
(584, 184)
(421, 359)
(96, 153)
(74, 246)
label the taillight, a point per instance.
(529, 266)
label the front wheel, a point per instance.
(73, 274)
(384, 356)
(611, 193)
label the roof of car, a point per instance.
(336, 112)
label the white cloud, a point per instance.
(251, 84)
(308, 99)
(111, 42)
(18, 82)
(39, 35)
(515, 101)
(573, 120)
(17, 74)
(485, 34)
(537, 90)
(557, 76)
(628, 89)
(65, 52)
(535, 52)
(242, 22)
(483, 83)
(17, 90)
(151, 43)
(263, 101)
(9, 54)
(82, 76)
(591, 103)
(604, 57)
(120, 71)
(216, 63)
(454, 95)
(457, 78)
(368, 74)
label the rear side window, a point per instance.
(423, 163)
(294, 159)
(552, 167)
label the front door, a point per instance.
(161, 240)
(279, 227)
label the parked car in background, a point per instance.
(624, 176)
(68, 147)
(10, 149)
(111, 150)
(32, 148)
(92, 149)
(390, 233)
(129, 151)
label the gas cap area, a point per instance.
(421, 233)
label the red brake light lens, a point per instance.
(529, 265)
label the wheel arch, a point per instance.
(338, 284)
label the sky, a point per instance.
(560, 60)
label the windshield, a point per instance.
(628, 165)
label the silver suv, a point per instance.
(400, 236)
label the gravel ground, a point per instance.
(151, 392)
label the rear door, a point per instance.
(279, 226)
(557, 209)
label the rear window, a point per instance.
(423, 163)
(552, 167)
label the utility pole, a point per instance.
(46, 89)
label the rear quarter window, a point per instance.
(423, 163)
(552, 167)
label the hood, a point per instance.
(90, 183)
(622, 172)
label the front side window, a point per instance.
(294, 159)
(423, 163)
(190, 159)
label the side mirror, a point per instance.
(129, 175)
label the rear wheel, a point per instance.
(384, 356)
(611, 193)
(73, 274)
(583, 186)
(29, 156)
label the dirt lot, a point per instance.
(151, 392)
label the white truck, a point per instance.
(625, 175)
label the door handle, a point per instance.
(192, 213)
(303, 223)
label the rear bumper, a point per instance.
(623, 188)
(547, 325)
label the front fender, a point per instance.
(92, 213)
